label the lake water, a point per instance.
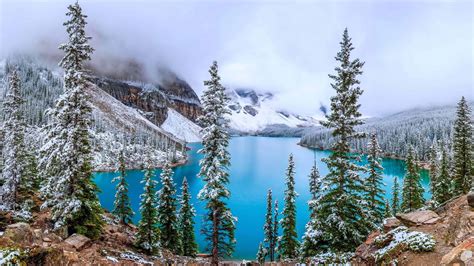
(258, 163)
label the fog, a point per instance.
(417, 53)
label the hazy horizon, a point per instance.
(416, 53)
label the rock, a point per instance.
(390, 223)
(461, 254)
(78, 241)
(364, 253)
(417, 217)
(20, 233)
(250, 110)
(470, 199)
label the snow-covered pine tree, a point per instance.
(434, 167)
(275, 230)
(14, 146)
(122, 209)
(412, 191)
(374, 181)
(167, 219)
(148, 231)
(463, 149)
(442, 191)
(66, 153)
(342, 211)
(219, 223)
(387, 210)
(270, 238)
(261, 253)
(309, 247)
(395, 196)
(186, 216)
(289, 245)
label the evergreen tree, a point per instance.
(275, 230)
(66, 154)
(148, 231)
(219, 223)
(442, 191)
(387, 211)
(463, 149)
(288, 246)
(395, 197)
(412, 192)
(261, 253)
(374, 180)
(434, 167)
(186, 222)
(14, 145)
(122, 209)
(167, 218)
(344, 216)
(270, 238)
(309, 248)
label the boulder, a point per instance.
(470, 199)
(461, 254)
(364, 253)
(20, 233)
(78, 241)
(418, 217)
(390, 223)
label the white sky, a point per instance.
(416, 52)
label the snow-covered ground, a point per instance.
(181, 127)
(252, 112)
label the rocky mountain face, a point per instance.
(153, 100)
(444, 236)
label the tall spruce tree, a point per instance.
(148, 231)
(309, 247)
(288, 246)
(122, 208)
(275, 230)
(219, 223)
(167, 219)
(442, 190)
(344, 216)
(463, 149)
(14, 145)
(186, 216)
(412, 192)
(434, 167)
(395, 196)
(66, 154)
(270, 238)
(374, 181)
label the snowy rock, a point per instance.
(78, 241)
(417, 217)
(20, 233)
(470, 199)
(461, 254)
(390, 223)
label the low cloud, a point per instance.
(416, 53)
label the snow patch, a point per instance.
(181, 127)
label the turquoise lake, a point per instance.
(258, 163)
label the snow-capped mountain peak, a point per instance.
(252, 112)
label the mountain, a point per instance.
(256, 113)
(419, 127)
(123, 111)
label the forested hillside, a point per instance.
(419, 127)
(114, 123)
